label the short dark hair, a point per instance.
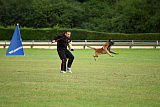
(112, 43)
(67, 31)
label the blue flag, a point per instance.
(16, 47)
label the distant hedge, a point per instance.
(77, 34)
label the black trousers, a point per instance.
(65, 54)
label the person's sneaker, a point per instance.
(62, 72)
(69, 70)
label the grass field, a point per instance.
(130, 79)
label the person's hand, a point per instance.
(72, 49)
(53, 41)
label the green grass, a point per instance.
(130, 79)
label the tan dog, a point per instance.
(105, 49)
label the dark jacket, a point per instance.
(62, 41)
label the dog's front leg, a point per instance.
(108, 53)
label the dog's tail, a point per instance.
(91, 47)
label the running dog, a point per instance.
(105, 49)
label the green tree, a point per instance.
(96, 16)
(124, 16)
(132, 16)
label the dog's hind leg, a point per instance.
(94, 58)
(96, 55)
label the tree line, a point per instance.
(112, 16)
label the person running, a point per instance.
(63, 40)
